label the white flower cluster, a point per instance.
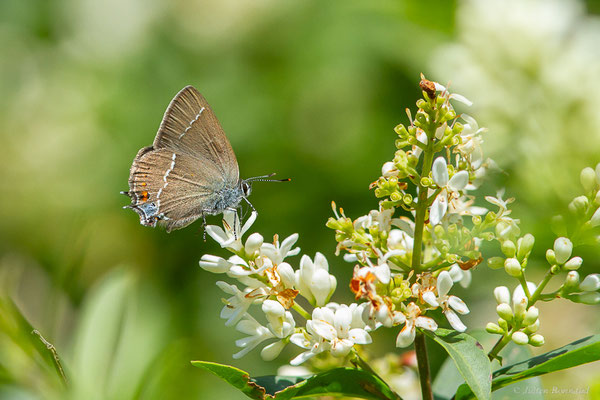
(270, 281)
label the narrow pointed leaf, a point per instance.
(469, 358)
(580, 352)
(347, 382)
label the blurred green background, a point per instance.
(308, 89)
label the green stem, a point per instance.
(538, 292)
(54, 353)
(423, 363)
(523, 282)
(301, 311)
(503, 341)
(421, 211)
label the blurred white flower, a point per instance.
(256, 335)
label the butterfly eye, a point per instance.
(246, 189)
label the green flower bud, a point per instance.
(457, 128)
(503, 324)
(512, 266)
(531, 316)
(476, 219)
(550, 256)
(520, 338)
(508, 248)
(421, 118)
(562, 249)
(588, 179)
(487, 236)
(505, 312)
(490, 216)
(532, 328)
(439, 231)
(494, 329)
(536, 340)
(396, 196)
(426, 181)
(579, 205)
(525, 244)
(597, 199)
(412, 160)
(590, 298)
(401, 131)
(495, 262)
(407, 198)
(598, 173)
(574, 263)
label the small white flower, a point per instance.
(414, 319)
(450, 303)
(451, 187)
(278, 252)
(314, 281)
(519, 298)
(256, 335)
(281, 322)
(332, 327)
(498, 201)
(458, 97)
(253, 243)
(462, 277)
(237, 305)
(389, 169)
(231, 237)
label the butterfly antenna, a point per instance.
(263, 178)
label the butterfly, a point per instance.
(190, 170)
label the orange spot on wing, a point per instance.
(144, 196)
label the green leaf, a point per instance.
(580, 352)
(469, 358)
(235, 377)
(340, 381)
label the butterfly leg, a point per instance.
(250, 204)
(204, 226)
(236, 220)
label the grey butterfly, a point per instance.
(190, 171)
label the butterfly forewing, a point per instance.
(189, 126)
(188, 170)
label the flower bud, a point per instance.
(504, 311)
(588, 179)
(493, 328)
(597, 199)
(253, 243)
(503, 324)
(531, 316)
(495, 262)
(590, 283)
(571, 281)
(272, 351)
(574, 263)
(508, 248)
(595, 220)
(578, 205)
(533, 327)
(598, 173)
(502, 295)
(439, 172)
(562, 249)
(520, 338)
(550, 257)
(520, 308)
(388, 169)
(525, 245)
(214, 264)
(590, 298)
(512, 267)
(536, 340)
(287, 275)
